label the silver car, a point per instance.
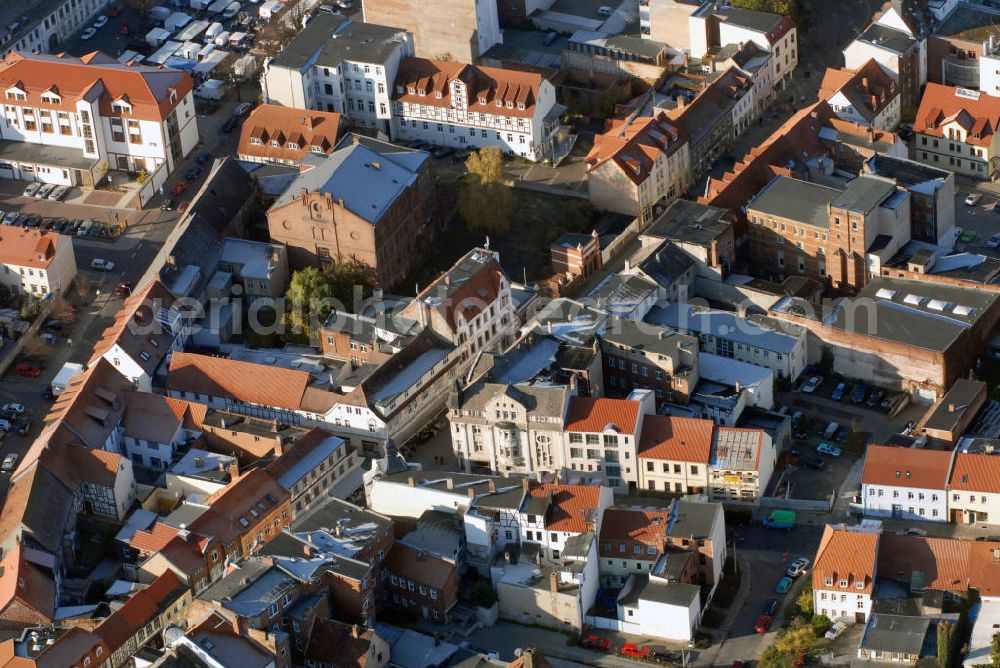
(32, 188)
(45, 191)
(58, 193)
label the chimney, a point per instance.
(492, 486)
(279, 446)
(472, 492)
(864, 83)
(739, 386)
(376, 165)
(355, 138)
(951, 408)
(525, 485)
(409, 481)
(354, 631)
(681, 102)
(234, 471)
(553, 582)
(450, 483)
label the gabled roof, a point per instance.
(28, 585)
(849, 555)
(423, 567)
(246, 381)
(466, 289)
(642, 526)
(37, 510)
(138, 331)
(249, 497)
(869, 89)
(590, 414)
(338, 645)
(140, 609)
(311, 131)
(152, 92)
(977, 113)
(939, 563)
(634, 145)
(974, 472)
(572, 507)
(906, 467)
(90, 408)
(490, 90)
(676, 439)
(21, 247)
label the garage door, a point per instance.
(6, 170)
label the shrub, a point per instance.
(821, 624)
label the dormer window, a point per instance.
(499, 102)
(437, 94)
(121, 107)
(316, 149)
(510, 105)
(520, 105)
(292, 145)
(50, 98)
(482, 99)
(256, 141)
(843, 583)
(400, 89)
(421, 91)
(860, 584)
(275, 143)
(828, 582)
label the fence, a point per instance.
(818, 505)
(151, 187)
(618, 244)
(611, 624)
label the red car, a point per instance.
(596, 643)
(124, 29)
(183, 206)
(123, 290)
(178, 188)
(632, 650)
(27, 370)
(763, 623)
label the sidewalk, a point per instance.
(708, 656)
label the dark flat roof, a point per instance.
(801, 201)
(961, 395)
(690, 222)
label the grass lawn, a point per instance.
(538, 219)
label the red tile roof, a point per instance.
(942, 562)
(139, 610)
(136, 330)
(155, 538)
(906, 467)
(253, 383)
(984, 567)
(421, 566)
(28, 585)
(978, 116)
(633, 525)
(466, 289)
(869, 89)
(847, 555)
(676, 439)
(571, 505)
(589, 414)
(28, 248)
(487, 87)
(303, 127)
(975, 473)
(152, 92)
(634, 145)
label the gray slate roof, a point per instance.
(801, 201)
(355, 41)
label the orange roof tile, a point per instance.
(943, 562)
(307, 128)
(153, 92)
(139, 610)
(571, 505)
(591, 414)
(846, 555)
(155, 538)
(868, 88)
(27, 584)
(676, 439)
(984, 567)
(253, 383)
(136, 330)
(633, 525)
(634, 145)
(27, 248)
(487, 87)
(902, 467)
(975, 473)
(90, 407)
(942, 105)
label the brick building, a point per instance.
(637, 358)
(577, 254)
(368, 200)
(422, 581)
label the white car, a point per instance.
(994, 241)
(835, 631)
(604, 10)
(45, 191)
(32, 188)
(8, 462)
(88, 33)
(101, 21)
(102, 265)
(13, 408)
(973, 199)
(810, 385)
(58, 193)
(798, 567)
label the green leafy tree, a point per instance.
(821, 624)
(309, 300)
(485, 201)
(946, 639)
(783, 7)
(804, 601)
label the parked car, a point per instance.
(839, 392)
(994, 241)
(827, 449)
(885, 405)
(835, 631)
(784, 584)
(859, 393)
(972, 199)
(102, 265)
(53, 326)
(636, 652)
(45, 191)
(551, 37)
(192, 173)
(167, 204)
(604, 10)
(230, 124)
(242, 109)
(178, 188)
(26, 370)
(842, 435)
(771, 606)
(32, 188)
(596, 643)
(101, 21)
(810, 385)
(58, 193)
(10, 217)
(123, 289)
(24, 426)
(763, 623)
(8, 462)
(14, 408)
(814, 463)
(88, 33)
(798, 567)
(203, 158)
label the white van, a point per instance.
(831, 430)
